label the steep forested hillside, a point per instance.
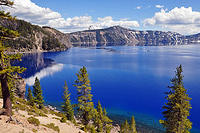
(35, 38)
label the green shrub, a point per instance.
(108, 128)
(30, 113)
(45, 110)
(20, 100)
(34, 130)
(21, 131)
(92, 129)
(63, 120)
(59, 114)
(34, 110)
(56, 118)
(89, 128)
(37, 112)
(42, 114)
(20, 107)
(52, 126)
(33, 121)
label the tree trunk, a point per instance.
(7, 105)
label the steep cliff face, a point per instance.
(121, 36)
(35, 38)
(193, 38)
(110, 36)
(63, 38)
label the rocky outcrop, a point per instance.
(34, 38)
(20, 90)
(193, 38)
(63, 38)
(121, 36)
(111, 36)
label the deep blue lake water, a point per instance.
(127, 80)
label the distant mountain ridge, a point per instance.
(34, 38)
(117, 35)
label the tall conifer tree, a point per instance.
(99, 117)
(7, 71)
(102, 121)
(85, 105)
(100, 110)
(177, 107)
(37, 92)
(67, 107)
(30, 97)
(125, 128)
(132, 125)
(104, 111)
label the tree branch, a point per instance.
(6, 3)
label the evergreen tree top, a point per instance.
(83, 77)
(66, 106)
(178, 79)
(176, 110)
(85, 105)
(104, 111)
(66, 92)
(37, 92)
(99, 107)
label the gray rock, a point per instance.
(20, 86)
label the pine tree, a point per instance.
(99, 110)
(7, 71)
(177, 107)
(106, 119)
(67, 107)
(37, 92)
(126, 127)
(104, 111)
(92, 129)
(99, 117)
(85, 105)
(102, 121)
(132, 126)
(122, 128)
(30, 97)
(108, 128)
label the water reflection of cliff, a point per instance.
(37, 66)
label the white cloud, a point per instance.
(182, 20)
(108, 21)
(29, 11)
(159, 6)
(138, 7)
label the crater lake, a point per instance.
(127, 80)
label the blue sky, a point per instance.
(181, 16)
(115, 8)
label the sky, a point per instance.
(182, 16)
